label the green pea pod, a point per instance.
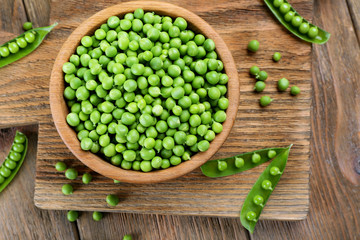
(211, 169)
(261, 191)
(322, 36)
(13, 162)
(39, 33)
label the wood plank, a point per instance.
(334, 198)
(354, 9)
(159, 227)
(38, 12)
(12, 17)
(291, 113)
(17, 206)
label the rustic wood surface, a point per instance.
(285, 121)
(334, 195)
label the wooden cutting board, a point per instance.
(24, 100)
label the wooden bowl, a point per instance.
(59, 109)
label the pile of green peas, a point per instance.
(295, 19)
(14, 46)
(145, 92)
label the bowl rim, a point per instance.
(59, 109)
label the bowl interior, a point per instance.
(59, 109)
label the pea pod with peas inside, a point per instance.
(296, 24)
(239, 163)
(262, 189)
(13, 162)
(23, 45)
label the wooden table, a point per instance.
(334, 157)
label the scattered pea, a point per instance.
(60, 166)
(97, 216)
(294, 90)
(67, 189)
(112, 200)
(265, 101)
(276, 56)
(72, 216)
(259, 86)
(253, 46)
(27, 26)
(283, 84)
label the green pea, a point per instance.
(97, 216)
(271, 154)
(203, 145)
(275, 171)
(60, 166)
(239, 162)
(73, 119)
(127, 237)
(86, 178)
(258, 200)
(284, 8)
(222, 166)
(145, 166)
(262, 76)
(276, 56)
(71, 173)
(251, 216)
(254, 70)
(253, 46)
(267, 185)
(5, 172)
(255, 158)
(289, 16)
(30, 37)
(4, 51)
(72, 216)
(294, 90)
(27, 26)
(304, 27)
(112, 200)
(265, 101)
(312, 33)
(22, 43)
(296, 21)
(67, 189)
(259, 86)
(283, 84)
(277, 3)
(209, 45)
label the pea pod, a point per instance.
(285, 13)
(14, 160)
(261, 191)
(238, 163)
(25, 44)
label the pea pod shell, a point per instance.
(18, 164)
(279, 161)
(41, 32)
(210, 168)
(322, 36)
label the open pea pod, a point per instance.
(262, 189)
(14, 160)
(320, 38)
(39, 33)
(238, 163)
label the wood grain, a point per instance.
(59, 109)
(17, 206)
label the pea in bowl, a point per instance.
(144, 92)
